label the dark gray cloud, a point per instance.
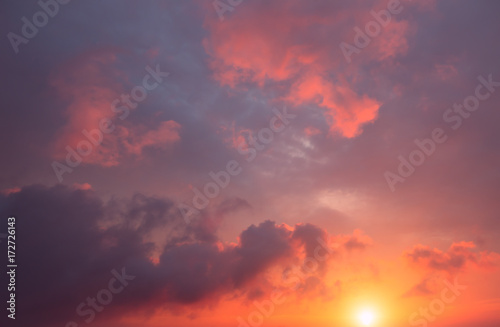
(69, 241)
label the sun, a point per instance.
(366, 317)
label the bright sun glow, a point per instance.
(366, 317)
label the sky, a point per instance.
(247, 163)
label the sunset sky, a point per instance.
(247, 163)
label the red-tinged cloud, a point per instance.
(357, 241)
(346, 111)
(393, 40)
(446, 71)
(167, 133)
(426, 286)
(457, 257)
(235, 137)
(268, 43)
(311, 131)
(89, 87)
(437, 264)
(84, 186)
(10, 190)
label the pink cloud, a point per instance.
(311, 131)
(87, 86)
(345, 110)
(10, 190)
(235, 137)
(265, 43)
(446, 71)
(167, 133)
(84, 186)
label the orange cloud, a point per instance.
(439, 264)
(357, 241)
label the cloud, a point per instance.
(166, 134)
(232, 205)
(87, 86)
(83, 186)
(357, 241)
(425, 287)
(437, 264)
(10, 190)
(459, 256)
(293, 49)
(346, 110)
(73, 240)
